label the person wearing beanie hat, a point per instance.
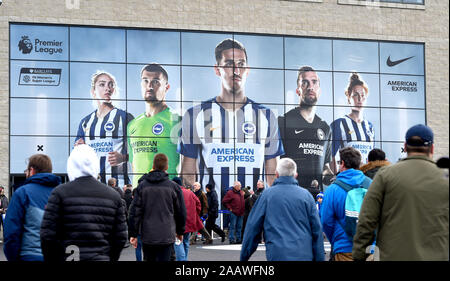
(68, 222)
(319, 199)
(407, 203)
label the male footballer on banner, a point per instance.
(105, 129)
(306, 137)
(150, 133)
(229, 137)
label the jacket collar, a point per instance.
(285, 180)
(418, 157)
(374, 164)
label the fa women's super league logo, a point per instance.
(25, 45)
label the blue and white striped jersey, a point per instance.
(105, 135)
(347, 132)
(229, 145)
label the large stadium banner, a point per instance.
(222, 106)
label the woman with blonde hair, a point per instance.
(105, 129)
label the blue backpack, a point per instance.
(353, 202)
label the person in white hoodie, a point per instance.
(84, 219)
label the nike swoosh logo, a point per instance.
(298, 132)
(394, 63)
(212, 129)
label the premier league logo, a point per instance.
(320, 134)
(158, 129)
(109, 127)
(25, 45)
(249, 128)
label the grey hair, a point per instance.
(286, 167)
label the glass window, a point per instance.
(306, 51)
(39, 42)
(39, 117)
(145, 46)
(104, 44)
(357, 56)
(52, 94)
(57, 148)
(39, 79)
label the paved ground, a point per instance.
(216, 252)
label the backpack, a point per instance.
(353, 202)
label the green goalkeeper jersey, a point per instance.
(148, 136)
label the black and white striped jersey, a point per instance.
(105, 135)
(347, 132)
(228, 145)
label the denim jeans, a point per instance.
(182, 250)
(235, 225)
(139, 249)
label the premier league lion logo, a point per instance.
(25, 45)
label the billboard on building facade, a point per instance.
(222, 106)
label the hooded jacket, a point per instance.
(290, 221)
(193, 209)
(84, 213)
(333, 210)
(371, 168)
(157, 212)
(24, 217)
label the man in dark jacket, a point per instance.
(213, 212)
(84, 219)
(128, 194)
(288, 215)
(4, 202)
(235, 203)
(157, 212)
(23, 221)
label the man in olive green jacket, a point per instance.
(407, 204)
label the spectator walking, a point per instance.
(4, 202)
(377, 160)
(197, 189)
(408, 204)
(314, 188)
(250, 201)
(333, 215)
(138, 248)
(234, 202)
(26, 209)
(112, 182)
(193, 221)
(213, 212)
(83, 213)
(157, 212)
(288, 215)
(128, 194)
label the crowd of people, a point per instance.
(376, 211)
